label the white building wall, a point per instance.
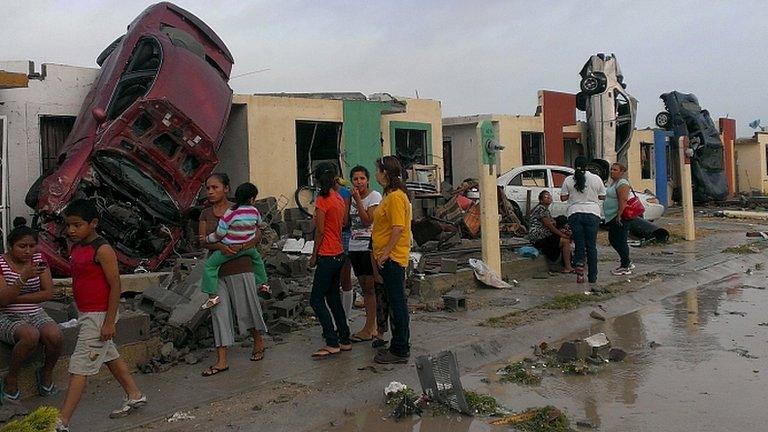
(58, 90)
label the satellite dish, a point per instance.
(754, 124)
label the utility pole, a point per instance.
(686, 187)
(489, 205)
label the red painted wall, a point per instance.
(558, 109)
(728, 131)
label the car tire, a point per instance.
(592, 85)
(108, 50)
(663, 120)
(581, 101)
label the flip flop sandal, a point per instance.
(265, 292)
(211, 371)
(5, 396)
(345, 347)
(211, 302)
(43, 390)
(257, 355)
(357, 339)
(323, 353)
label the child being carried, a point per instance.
(238, 226)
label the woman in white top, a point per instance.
(364, 202)
(583, 191)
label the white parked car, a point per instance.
(536, 178)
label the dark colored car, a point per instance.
(685, 117)
(145, 138)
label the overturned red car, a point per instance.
(144, 140)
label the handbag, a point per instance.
(634, 207)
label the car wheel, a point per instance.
(592, 85)
(663, 120)
(108, 50)
(581, 101)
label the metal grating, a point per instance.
(439, 378)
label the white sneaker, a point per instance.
(621, 271)
(129, 405)
(631, 266)
(60, 426)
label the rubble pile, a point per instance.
(576, 357)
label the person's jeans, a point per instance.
(394, 286)
(585, 227)
(210, 282)
(618, 233)
(325, 290)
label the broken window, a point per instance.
(533, 148)
(316, 142)
(53, 132)
(646, 160)
(137, 78)
(182, 39)
(411, 146)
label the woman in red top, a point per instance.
(328, 254)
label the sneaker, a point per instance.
(211, 302)
(129, 405)
(60, 426)
(387, 357)
(621, 271)
(631, 266)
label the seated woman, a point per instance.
(26, 283)
(544, 233)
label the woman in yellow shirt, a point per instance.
(391, 238)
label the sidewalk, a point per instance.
(288, 391)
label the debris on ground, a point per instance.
(180, 416)
(482, 404)
(521, 372)
(546, 419)
(597, 315)
(486, 275)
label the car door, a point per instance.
(557, 177)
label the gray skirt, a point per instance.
(239, 300)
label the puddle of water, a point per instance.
(703, 377)
(697, 379)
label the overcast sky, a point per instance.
(475, 57)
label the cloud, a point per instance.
(475, 57)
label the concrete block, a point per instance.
(455, 301)
(288, 308)
(449, 265)
(278, 288)
(281, 228)
(573, 350)
(307, 226)
(60, 312)
(160, 298)
(599, 345)
(132, 326)
(297, 233)
(296, 266)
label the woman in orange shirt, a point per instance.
(328, 255)
(391, 238)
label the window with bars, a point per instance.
(533, 148)
(54, 130)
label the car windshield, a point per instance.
(123, 172)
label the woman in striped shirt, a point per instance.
(26, 283)
(237, 227)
